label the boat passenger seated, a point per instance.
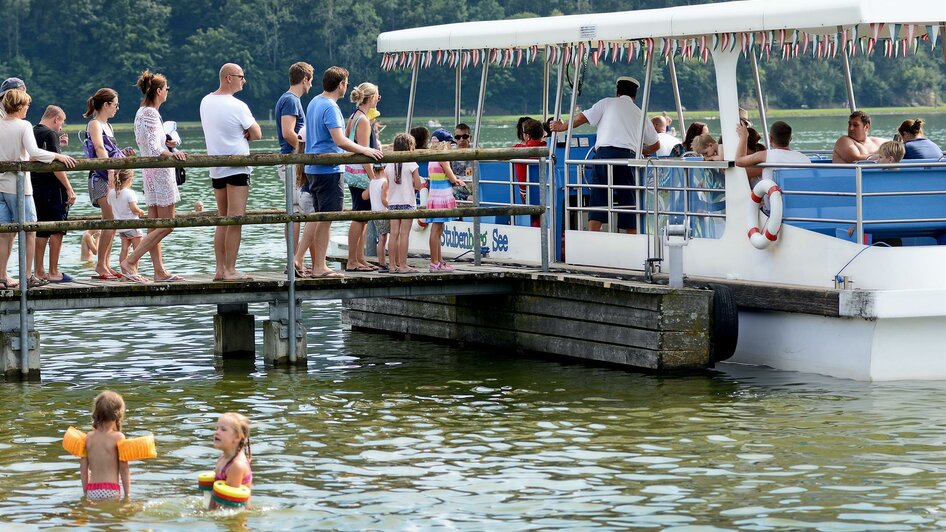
(915, 143)
(695, 130)
(780, 135)
(857, 145)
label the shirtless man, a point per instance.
(857, 145)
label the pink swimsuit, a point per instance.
(101, 491)
(222, 475)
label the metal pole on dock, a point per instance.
(544, 217)
(758, 94)
(676, 94)
(24, 275)
(457, 93)
(291, 264)
(847, 78)
(413, 96)
(477, 253)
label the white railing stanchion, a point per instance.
(859, 203)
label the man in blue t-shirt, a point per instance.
(325, 133)
(289, 114)
(290, 118)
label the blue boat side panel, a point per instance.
(899, 207)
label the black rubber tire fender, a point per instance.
(724, 333)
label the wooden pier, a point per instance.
(567, 314)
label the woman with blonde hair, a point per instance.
(160, 184)
(359, 130)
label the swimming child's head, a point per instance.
(891, 152)
(705, 145)
(108, 407)
(404, 142)
(233, 434)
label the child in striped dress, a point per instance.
(441, 180)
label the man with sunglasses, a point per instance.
(462, 169)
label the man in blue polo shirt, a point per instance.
(325, 133)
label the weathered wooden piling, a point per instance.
(604, 320)
(234, 332)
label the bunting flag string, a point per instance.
(898, 40)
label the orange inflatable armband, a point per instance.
(74, 442)
(139, 448)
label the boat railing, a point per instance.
(687, 191)
(858, 222)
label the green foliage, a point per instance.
(66, 49)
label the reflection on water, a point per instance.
(383, 433)
(392, 434)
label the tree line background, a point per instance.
(67, 49)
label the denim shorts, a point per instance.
(9, 210)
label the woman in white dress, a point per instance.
(160, 184)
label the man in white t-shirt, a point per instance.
(780, 135)
(228, 127)
(667, 141)
(618, 121)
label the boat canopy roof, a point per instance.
(807, 17)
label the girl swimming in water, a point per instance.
(232, 438)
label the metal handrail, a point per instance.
(859, 193)
(265, 159)
(656, 189)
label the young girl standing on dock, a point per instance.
(124, 204)
(232, 438)
(441, 182)
(101, 469)
(403, 184)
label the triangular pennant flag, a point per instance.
(933, 33)
(806, 38)
(894, 30)
(519, 55)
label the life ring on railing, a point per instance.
(760, 236)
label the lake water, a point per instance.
(383, 433)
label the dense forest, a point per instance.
(66, 49)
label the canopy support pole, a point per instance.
(545, 92)
(458, 92)
(480, 103)
(645, 102)
(553, 144)
(676, 94)
(410, 102)
(758, 94)
(847, 78)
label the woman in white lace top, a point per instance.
(160, 185)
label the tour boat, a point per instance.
(880, 312)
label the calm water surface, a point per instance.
(382, 433)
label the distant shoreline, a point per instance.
(125, 127)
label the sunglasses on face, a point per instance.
(461, 137)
